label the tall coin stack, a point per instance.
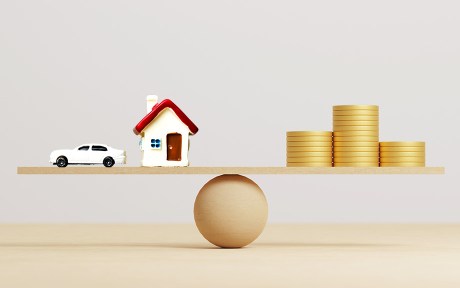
(309, 149)
(356, 135)
(402, 154)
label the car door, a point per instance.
(80, 155)
(97, 154)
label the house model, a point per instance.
(164, 132)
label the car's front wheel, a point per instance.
(108, 162)
(61, 162)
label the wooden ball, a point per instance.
(231, 211)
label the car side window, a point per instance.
(98, 148)
(83, 148)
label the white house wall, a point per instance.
(165, 123)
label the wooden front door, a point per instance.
(174, 141)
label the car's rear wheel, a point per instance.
(61, 161)
(108, 162)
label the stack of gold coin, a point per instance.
(309, 149)
(356, 135)
(402, 154)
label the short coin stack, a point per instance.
(402, 154)
(309, 149)
(356, 135)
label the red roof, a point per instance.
(160, 107)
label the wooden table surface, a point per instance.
(293, 255)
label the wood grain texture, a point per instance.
(293, 255)
(230, 170)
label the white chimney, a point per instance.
(152, 100)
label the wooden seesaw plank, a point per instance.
(230, 170)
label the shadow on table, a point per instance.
(58, 245)
(120, 245)
(323, 245)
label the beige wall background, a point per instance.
(245, 72)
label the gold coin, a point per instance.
(374, 129)
(361, 164)
(402, 159)
(356, 159)
(310, 139)
(355, 113)
(357, 153)
(309, 149)
(401, 154)
(311, 164)
(309, 154)
(355, 133)
(402, 144)
(356, 139)
(341, 128)
(356, 128)
(308, 159)
(355, 107)
(373, 163)
(356, 149)
(356, 123)
(309, 144)
(308, 133)
(356, 118)
(356, 144)
(402, 149)
(402, 164)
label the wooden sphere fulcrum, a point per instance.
(231, 211)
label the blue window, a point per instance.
(155, 143)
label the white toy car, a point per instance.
(89, 154)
